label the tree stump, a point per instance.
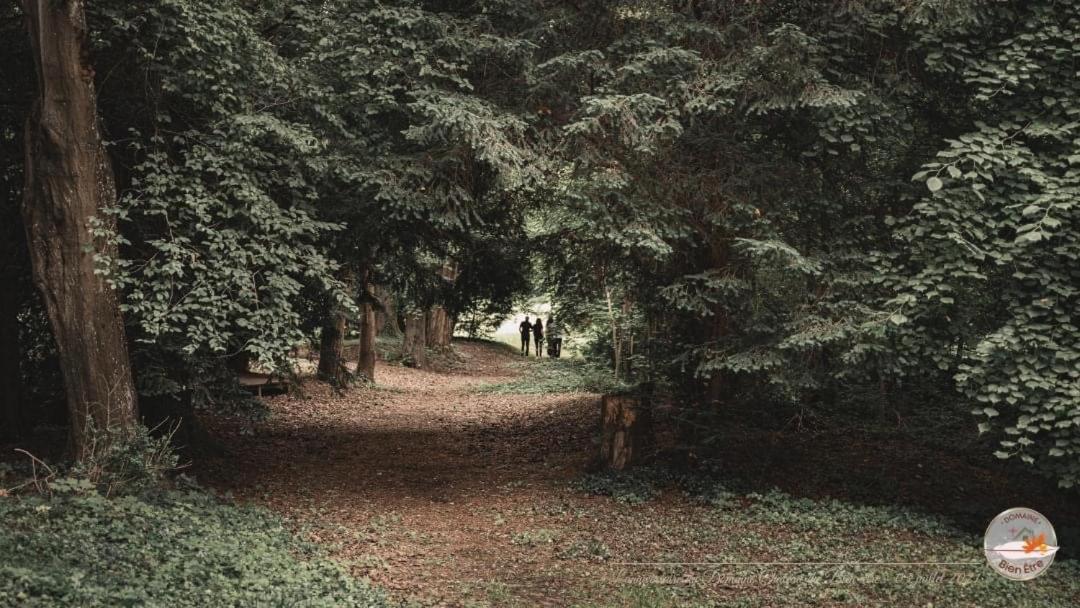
(625, 430)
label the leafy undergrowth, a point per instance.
(449, 497)
(874, 556)
(548, 376)
(170, 548)
(495, 345)
(389, 352)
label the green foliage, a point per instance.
(988, 285)
(727, 199)
(420, 164)
(592, 549)
(723, 184)
(717, 195)
(632, 487)
(179, 548)
(548, 375)
(799, 534)
(127, 462)
(532, 538)
(217, 221)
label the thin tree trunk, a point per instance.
(616, 344)
(718, 330)
(365, 365)
(627, 335)
(415, 340)
(68, 181)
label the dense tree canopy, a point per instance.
(789, 203)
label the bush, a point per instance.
(120, 461)
(176, 549)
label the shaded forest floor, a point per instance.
(446, 492)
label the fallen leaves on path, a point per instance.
(435, 491)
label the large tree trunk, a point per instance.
(439, 328)
(625, 431)
(412, 347)
(68, 181)
(386, 317)
(332, 339)
(332, 349)
(365, 365)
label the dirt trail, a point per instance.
(452, 497)
(436, 491)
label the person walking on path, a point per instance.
(554, 338)
(524, 328)
(538, 337)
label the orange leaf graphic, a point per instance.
(1035, 543)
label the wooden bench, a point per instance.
(256, 382)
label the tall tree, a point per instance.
(69, 181)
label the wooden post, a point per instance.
(625, 430)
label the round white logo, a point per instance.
(1020, 544)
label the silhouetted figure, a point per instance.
(524, 328)
(554, 338)
(538, 336)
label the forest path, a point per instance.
(446, 495)
(439, 492)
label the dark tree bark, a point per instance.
(69, 180)
(365, 361)
(414, 342)
(439, 328)
(332, 349)
(12, 416)
(332, 341)
(386, 317)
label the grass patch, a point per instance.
(533, 538)
(547, 376)
(590, 549)
(387, 348)
(632, 487)
(942, 565)
(495, 344)
(174, 548)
